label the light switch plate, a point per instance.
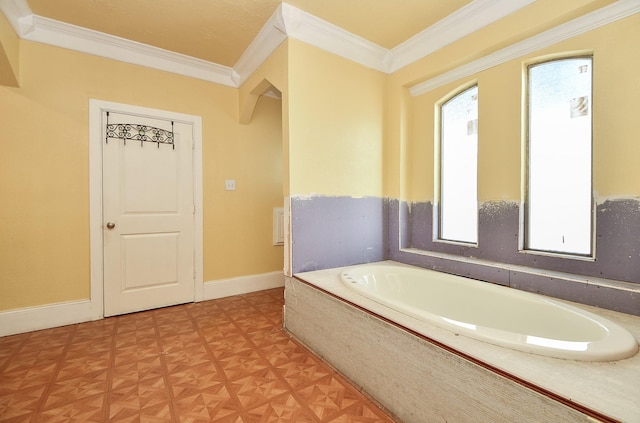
(230, 184)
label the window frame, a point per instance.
(438, 160)
(525, 162)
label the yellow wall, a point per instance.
(9, 54)
(410, 171)
(336, 124)
(238, 231)
(44, 174)
(272, 73)
(341, 129)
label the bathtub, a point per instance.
(421, 372)
(492, 313)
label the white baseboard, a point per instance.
(242, 285)
(61, 314)
(44, 317)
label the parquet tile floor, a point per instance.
(225, 360)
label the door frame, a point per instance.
(96, 111)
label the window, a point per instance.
(458, 212)
(558, 212)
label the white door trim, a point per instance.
(96, 110)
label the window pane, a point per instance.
(559, 186)
(459, 168)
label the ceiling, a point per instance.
(219, 31)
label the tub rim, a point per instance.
(606, 391)
(617, 344)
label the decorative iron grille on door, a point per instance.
(137, 132)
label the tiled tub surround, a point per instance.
(617, 239)
(440, 376)
(330, 232)
(611, 281)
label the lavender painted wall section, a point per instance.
(618, 239)
(331, 232)
(617, 250)
(337, 231)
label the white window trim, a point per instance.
(437, 158)
(524, 164)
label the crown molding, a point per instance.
(474, 16)
(608, 14)
(288, 21)
(52, 32)
(49, 31)
(272, 34)
(291, 22)
(305, 27)
(16, 12)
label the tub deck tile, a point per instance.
(372, 349)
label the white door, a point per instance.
(148, 215)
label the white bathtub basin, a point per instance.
(492, 313)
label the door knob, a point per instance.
(111, 225)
